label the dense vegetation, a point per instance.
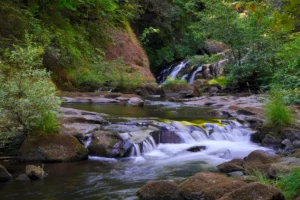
(73, 40)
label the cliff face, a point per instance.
(126, 46)
(83, 52)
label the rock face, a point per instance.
(35, 173)
(52, 148)
(4, 174)
(10, 143)
(213, 46)
(207, 185)
(180, 91)
(159, 190)
(107, 144)
(253, 191)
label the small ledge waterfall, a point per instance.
(221, 140)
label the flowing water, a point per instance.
(106, 178)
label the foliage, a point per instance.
(173, 81)
(28, 98)
(174, 40)
(111, 74)
(222, 81)
(276, 112)
(289, 183)
(204, 59)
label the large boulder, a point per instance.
(35, 172)
(180, 91)
(4, 174)
(166, 135)
(208, 186)
(52, 148)
(253, 191)
(10, 143)
(231, 166)
(259, 160)
(106, 144)
(159, 190)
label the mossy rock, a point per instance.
(52, 148)
(10, 143)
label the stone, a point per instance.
(235, 174)
(10, 143)
(296, 143)
(35, 172)
(272, 141)
(159, 190)
(231, 166)
(287, 144)
(52, 148)
(106, 144)
(208, 185)
(253, 191)
(166, 135)
(180, 91)
(196, 148)
(291, 134)
(296, 153)
(23, 177)
(213, 90)
(261, 156)
(4, 174)
(246, 178)
(136, 101)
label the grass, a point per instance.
(277, 113)
(289, 184)
(173, 81)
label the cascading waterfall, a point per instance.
(177, 69)
(222, 140)
(172, 72)
(192, 78)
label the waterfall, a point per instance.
(192, 78)
(172, 72)
(145, 146)
(177, 69)
(87, 140)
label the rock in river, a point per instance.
(52, 148)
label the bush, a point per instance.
(172, 81)
(222, 81)
(276, 112)
(28, 100)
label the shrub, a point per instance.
(276, 112)
(172, 81)
(222, 81)
(28, 100)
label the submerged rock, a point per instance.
(23, 177)
(52, 148)
(159, 190)
(253, 191)
(35, 172)
(196, 148)
(4, 174)
(136, 101)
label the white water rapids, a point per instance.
(222, 143)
